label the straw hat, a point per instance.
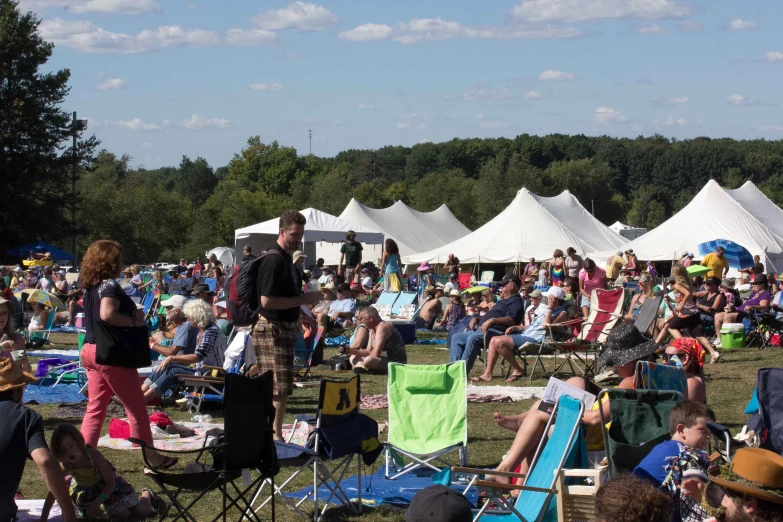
(12, 376)
(429, 289)
(329, 287)
(455, 293)
(755, 472)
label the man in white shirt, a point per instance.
(451, 285)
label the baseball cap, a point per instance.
(556, 292)
(175, 301)
(439, 504)
(298, 254)
(536, 293)
(510, 278)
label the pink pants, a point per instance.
(102, 382)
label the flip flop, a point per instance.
(479, 379)
(513, 378)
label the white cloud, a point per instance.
(607, 115)
(147, 145)
(771, 128)
(412, 121)
(738, 99)
(93, 123)
(591, 10)
(669, 102)
(482, 92)
(114, 6)
(137, 125)
(424, 140)
(670, 121)
(532, 95)
(773, 57)
(196, 122)
(493, 124)
(299, 16)
(479, 116)
(365, 107)
(112, 83)
(743, 25)
(192, 7)
(266, 87)
(689, 25)
(555, 76)
(248, 37)
(86, 37)
(431, 29)
(653, 29)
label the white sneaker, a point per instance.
(715, 358)
(717, 343)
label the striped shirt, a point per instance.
(211, 349)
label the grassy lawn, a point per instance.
(729, 388)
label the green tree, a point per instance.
(195, 180)
(35, 132)
(455, 189)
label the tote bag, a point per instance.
(125, 347)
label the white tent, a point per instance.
(321, 230)
(762, 208)
(627, 231)
(570, 213)
(413, 231)
(714, 213)
(524, 229)
(224, 254)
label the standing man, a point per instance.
(247, 253)
(351, 251)
(717, 263)
(275, 331)
(613, 266)
(182, 267)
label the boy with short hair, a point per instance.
(682, 457)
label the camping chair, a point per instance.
(639, 421)
(247, 444)
(340, 433)
(769, 390)
(463, 279)
(211, 283)
(654, 376)
(648, 314)
(41, 337)
(554, 451)
(404, 299)
(767, 328)
(438, 395)
(214, 381)
(605, 310)
(487, 276)
(148, 303)
(303, 360)
(546, 346)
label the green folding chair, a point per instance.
(437, 394)
(639, 422)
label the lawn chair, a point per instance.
(648, 314)
(487, 276)
(605, 310)
(438, 396)
(463, 280)
(341, 433)
(209, 387)
(769, 390)
(247, 444)
(305, 364)
(211, 283)
(148, 303)
(562, 447)
(639, 422)
(41, 337)
(653, 376)
(405, 298)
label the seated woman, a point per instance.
(758, 300)
(10, 341)
(210, 351)
(710, 300)
(453, 312)
(40, 318)
(688, 353)
(329, 295)
(637, 301)
(571, 289)
(624, 348)
(534, 332)
(472, 306)
(487, 301)
(384, 345)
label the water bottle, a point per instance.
(202, 418)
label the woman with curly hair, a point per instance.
(631, 499)
(106, 301)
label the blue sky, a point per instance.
(158, 79)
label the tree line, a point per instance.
(181, 211)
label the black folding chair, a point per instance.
(246, 444)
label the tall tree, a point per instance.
(34, 132)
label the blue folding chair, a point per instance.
(387, 298)
(564, 447)
(405, 298)
(211, 282)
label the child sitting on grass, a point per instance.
(681, 458)
(95, 482)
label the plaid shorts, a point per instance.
(274, 343)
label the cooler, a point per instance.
(732, 335)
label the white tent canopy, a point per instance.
(224, 254)
(321, 228)
(524, 229)
(714, 213)
(762, 208)
(627, 231)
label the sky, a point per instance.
(158, 79)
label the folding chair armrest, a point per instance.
(597, 472)
(480, 471)
(510, 487)
(212, 368)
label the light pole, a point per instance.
(76, 126)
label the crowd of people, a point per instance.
(295, 299)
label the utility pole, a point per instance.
(76, 126)
(310, 132)
(592, 204)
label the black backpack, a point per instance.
(242, 301)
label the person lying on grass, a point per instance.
(625, 346)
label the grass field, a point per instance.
(729, 387)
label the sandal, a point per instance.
(479, 379)
(156, 501)
(514, 378)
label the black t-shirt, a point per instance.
(92, 305)
(276, 279)
(21, 433)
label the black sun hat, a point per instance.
(624, 344)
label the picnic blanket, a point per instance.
(377, 490)
(62, 393)
(178, 443)
(30, 511)
(70, 355)
(476, 394)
